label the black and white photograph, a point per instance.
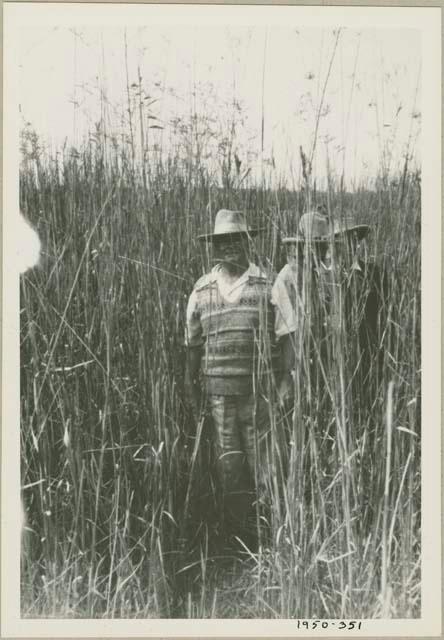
(222, 307)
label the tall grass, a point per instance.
(117, 481)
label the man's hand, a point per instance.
(285, 390)
(192, 381)
(195, 394)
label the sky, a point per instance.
(359, 90)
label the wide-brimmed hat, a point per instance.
(347, 227)
(228, 223)
(313, 227)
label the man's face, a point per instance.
(297, 254)
(231, 249)
(351, 246)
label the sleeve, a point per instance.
(193, 327)
(285, 313)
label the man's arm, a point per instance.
(192, 378)
(285, 329)
(288, 360)
(194, 343)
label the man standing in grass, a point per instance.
(364, 316)
(345, 294)
(364, 294)
(307, 278)
(233, 326)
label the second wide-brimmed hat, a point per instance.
(227, 223)
(313, 227)
(350, 226)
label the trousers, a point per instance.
(241, 436)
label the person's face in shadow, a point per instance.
(351, 248)
(300, 255)
(295, 254)
(232, 250)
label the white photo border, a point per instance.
(425, 19)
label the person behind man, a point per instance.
(307, 279)
(364, 296)
(233, 323)
(364, 290)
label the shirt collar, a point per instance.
(253, 270)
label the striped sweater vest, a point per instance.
(239, 337)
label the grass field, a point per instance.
(117, 523)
